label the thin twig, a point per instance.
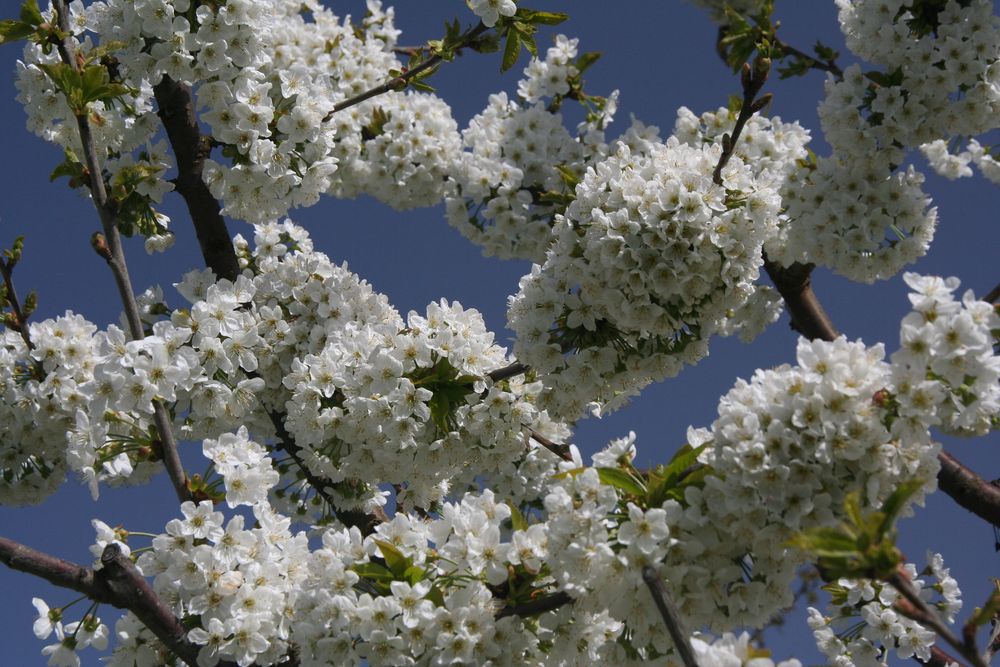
(20, 321)
(753, 80)
(559, 449)
(116, 259)
(366, 523)
(814, 63)
(682, 640)
(399, 82)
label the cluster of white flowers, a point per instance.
(71, 637)
(956, 165)
(650, 260)
(862, 626)
(947, 364)
(266, 75)
(423, 590)
(853, 211)
(854, 217)
(410, 404)
(369, 398)
(506, 189)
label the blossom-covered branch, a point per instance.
(117, 583)
(191, 149)
(399, 82)
(115, 256)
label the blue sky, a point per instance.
(661, 56)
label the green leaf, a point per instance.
(895, 503)
(568, 473)
(622, 481)
(586, 60)
(529, 43)
(394, 558)
(986, 613)
(568, 176)
(30, 13)
(517, 520)
(827, 543)
(436, 596)
(685, 457)
(377, 574)
(511, 50)
(825, 52)
(14, 31)
(543, 18)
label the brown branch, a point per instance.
(940, 658)
(509, 371)
(118, 583)
(366, 523)
(20, 323)
(537, 606)
(680, 637)
(993, 295)
(752, 80)
(399, 82)
(191, 148)
(115, 257)
(969, 489)
(794, 283)
(559, 449)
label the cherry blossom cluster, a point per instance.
(70, 637)
(419, 590)
(410, 404)
(947, 364)
(369, 398)
(649, 261)
(862, 627)
(855, 211)
(786, 450)
(509, 185)
(266, 78)
(956, 165)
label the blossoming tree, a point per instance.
(403, 490)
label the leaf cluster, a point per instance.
(863, 546)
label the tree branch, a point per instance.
(537, 606)
(993, 295)
(794, 283)
(509, 371)
(366, 523)
(191, 148)
(753, 80)
(680, 637)
(115, 257)
(399, 82)
(814, 63)
(118, 583)
(914, 607)
(969, 489)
